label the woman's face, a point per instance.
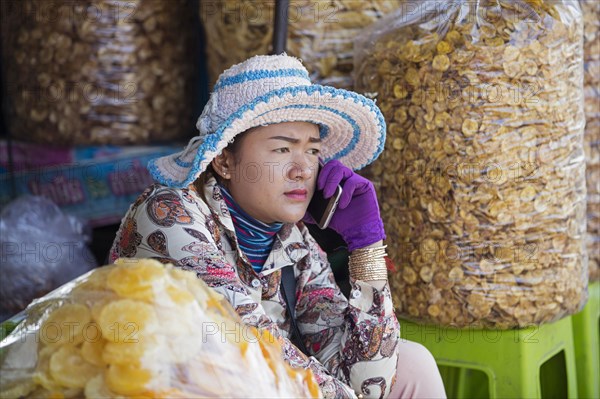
(272, 175)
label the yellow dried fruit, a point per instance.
(68, 368)
(127, 379)
(65, 325)
(470, 127)
(444, 47)
(320, 32)
(400, 91)
(126, 352)
(489, 134)
(179, 296)
(591, 29)
(71, 83)
(91, 350)
(138, 280)
(441, 62)
(127, 320)
(96, 388)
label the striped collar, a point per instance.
(255, 238)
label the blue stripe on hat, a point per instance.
(182, 163)
(261, 74)
(212, 140)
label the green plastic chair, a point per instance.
(586, 334)
(534, 362)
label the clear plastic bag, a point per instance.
(591, 20)
(143, 329)
(98, 72)
(482, 181)
(319, 32)
(42, 248)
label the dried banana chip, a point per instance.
(140, 280)
(66, 325)
(69, 368)
(128, 379)
(127, 321)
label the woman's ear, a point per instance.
(223, 164)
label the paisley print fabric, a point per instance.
(353, 342)
(158, 242)
(129, 238)
(166, 209)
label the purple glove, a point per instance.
(357, 217)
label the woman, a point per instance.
(232, 207)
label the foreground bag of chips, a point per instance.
(95, 72)
(591, 20)
(142, 329)
(482, 181)
(320, 32)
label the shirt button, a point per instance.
(255, 283)
(356, 294)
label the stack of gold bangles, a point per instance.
(368, 264)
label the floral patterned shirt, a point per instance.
(353, 343)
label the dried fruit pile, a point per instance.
(320, 32)
(591, 20)
(482, 181)
(98, 71)
(142, 329)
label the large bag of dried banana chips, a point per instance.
(145, 330)
(591, 54)
(320, 32)
(98, 72)
(482, 181)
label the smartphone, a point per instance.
(322, 209)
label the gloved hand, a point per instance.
(357, 217)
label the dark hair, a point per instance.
(234, 147)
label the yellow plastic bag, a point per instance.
(143, 329)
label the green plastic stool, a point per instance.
(533, 362)
(586, 334)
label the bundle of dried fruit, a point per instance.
(99, 71)
(482, 181)
(591, 55)
(142, 329)
(320, 32)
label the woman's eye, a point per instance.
(282, 150)
(314, 151)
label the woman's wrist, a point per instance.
(368, 263)
(364, 235)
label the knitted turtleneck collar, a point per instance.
(255, 238)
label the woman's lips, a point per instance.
(298, 195)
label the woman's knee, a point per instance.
(417, 374)
(413, 354)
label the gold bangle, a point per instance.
(369, 271)
(362, 258)
(370, 276)
(375, 251)
(368, 264)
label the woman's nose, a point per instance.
(302, 169)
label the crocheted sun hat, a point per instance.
(265, 90)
